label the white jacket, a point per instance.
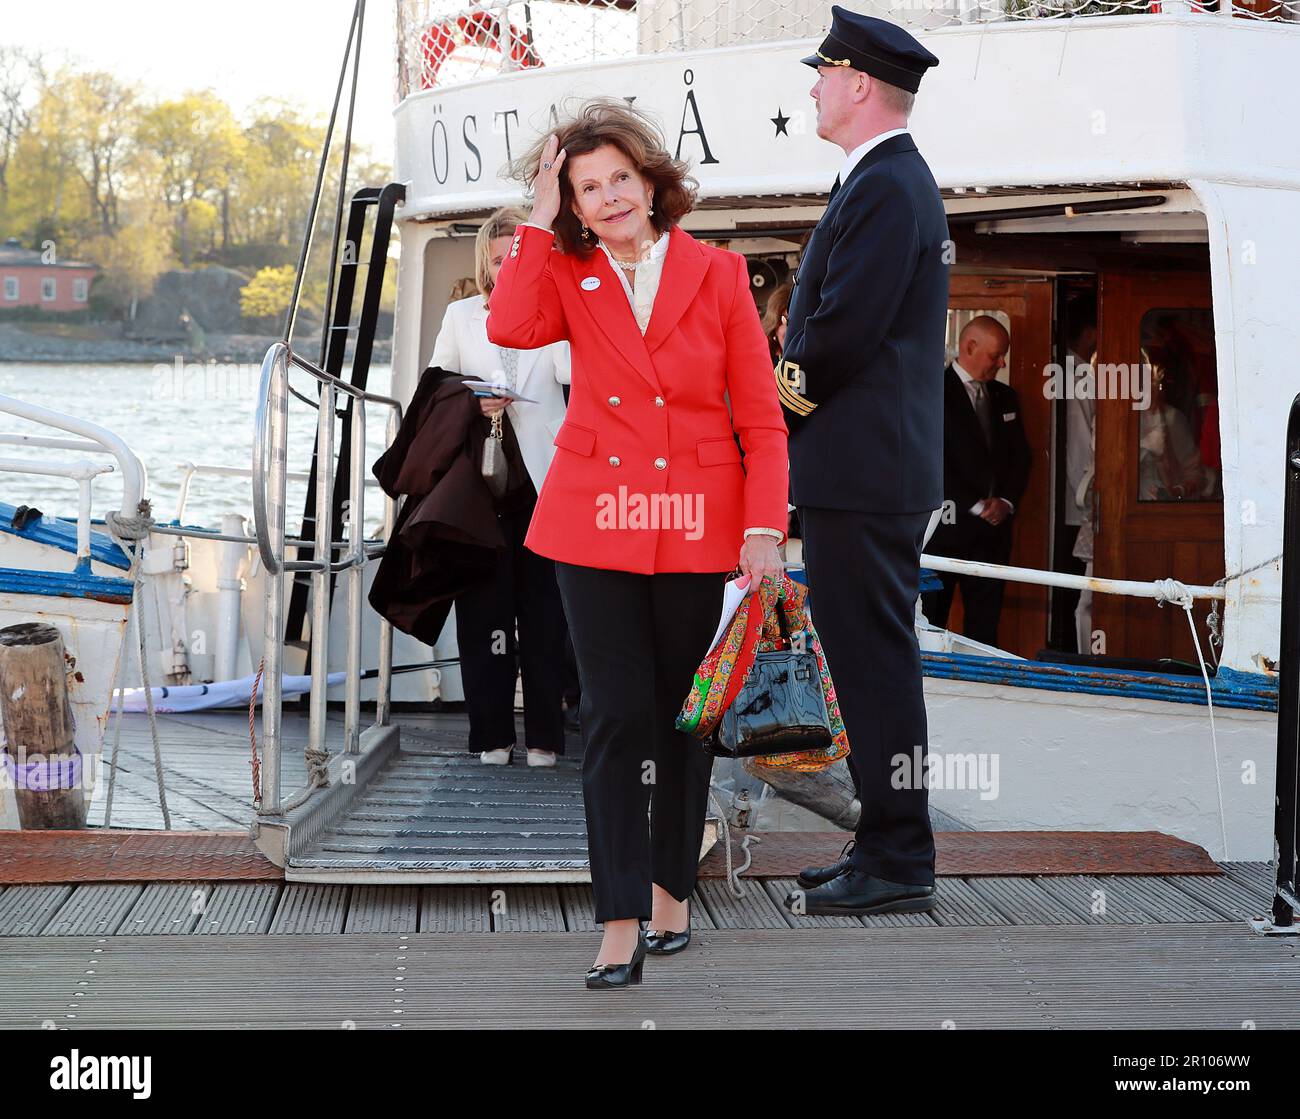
(462, 347)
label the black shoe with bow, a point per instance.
(812, 876)
(858, 894)
(603, 976)
(668, 943)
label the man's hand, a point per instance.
(995, 510)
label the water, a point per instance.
(169, 414)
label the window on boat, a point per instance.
(1178, 423)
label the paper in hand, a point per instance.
(499, 389)
(732, 596)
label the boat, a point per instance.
(1091, 155)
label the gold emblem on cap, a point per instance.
(833, 61)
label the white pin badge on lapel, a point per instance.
(590, 283)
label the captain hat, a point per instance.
(875, 46)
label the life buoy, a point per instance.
(477, 28)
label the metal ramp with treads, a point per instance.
(440, 815)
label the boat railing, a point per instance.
(1161, 590)
(211, 469)
(93, 439)
(447, 42)
(270, 474)
(1286, 829)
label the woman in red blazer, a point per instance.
(647, 504)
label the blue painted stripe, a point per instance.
(1243, 690)
(61, 532)
(65, 584)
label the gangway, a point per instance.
(377, 809)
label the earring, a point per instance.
(585, 232)
(651, 212)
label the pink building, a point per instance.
(26, 280)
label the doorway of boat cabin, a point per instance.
(1128, 354)
(1023, 306)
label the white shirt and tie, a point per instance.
(979, 400)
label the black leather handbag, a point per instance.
(779, 709)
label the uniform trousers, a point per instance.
(645, 785)
(863, 577)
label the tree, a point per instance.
(197, 143)
(22, 74)
(46, 200)
(101, 112)
(267, 294)
(131, 260)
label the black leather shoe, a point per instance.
(858, 894)
(668, 943)
(603, 976)
(812, 876)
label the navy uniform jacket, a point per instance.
(861, 376)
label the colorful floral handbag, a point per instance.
(764, 690)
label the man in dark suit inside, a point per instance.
(985, 471)
(861, 381)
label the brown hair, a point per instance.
(501, 223)
(778, 303)
(608, 120)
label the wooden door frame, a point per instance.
(1027, 301)
(1123, 298)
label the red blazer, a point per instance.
(647, 476)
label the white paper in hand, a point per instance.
(498, 388)
(732, 596)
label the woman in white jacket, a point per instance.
(522, 590)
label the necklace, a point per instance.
(627, 264)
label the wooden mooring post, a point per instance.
(41, 758)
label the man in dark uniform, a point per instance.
(861, 380)
(985, 471)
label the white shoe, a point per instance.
(541, 757)
(504, 756)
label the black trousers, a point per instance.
(970, 538)
(863, 577)
(639, 640)
(522, 588)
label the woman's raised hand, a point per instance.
(546, 187)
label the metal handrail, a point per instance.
(281, 354)
(190, 468)
(269, 484)
(134, 479)
(1133, 588)
(1286, 898)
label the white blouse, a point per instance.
(647, 273)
